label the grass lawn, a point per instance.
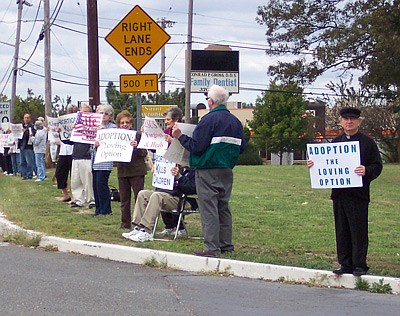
(277, 218)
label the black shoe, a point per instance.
(205, 253)
(359, 271)
(227, 250)
(92, 205)
(342, 270)
(73, 205)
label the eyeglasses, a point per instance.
(104, 113)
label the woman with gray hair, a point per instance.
(39, 148)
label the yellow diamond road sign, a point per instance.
(137, 38)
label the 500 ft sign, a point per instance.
(138, 83)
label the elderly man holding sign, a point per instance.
(350, 204)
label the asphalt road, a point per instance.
(35, 282)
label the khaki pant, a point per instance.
(82, 181)
(149, 205)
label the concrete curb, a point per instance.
(191, 263)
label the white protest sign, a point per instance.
(152, 135)
(52, 124)
(334, 165)
(66, 123)
(17, 130)
(176, 152)
(5, 126)
(115, 145)
(5, 112)
(86, 127)
(162, 176)
(3, 142)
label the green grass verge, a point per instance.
(277, 218)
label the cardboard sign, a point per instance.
(85, 128)
(52, 125)
(162, 176)
(152, 135)
(176, 152)
(334, 165)
(115, 145)
(17, 130)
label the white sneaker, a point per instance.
(142, 236)
(167, 232)
(135, 231)
(181, 233)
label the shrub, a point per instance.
(250, 156)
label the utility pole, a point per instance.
(47, 59)
(15, 65)
(164, 24)
(188, 67)
(93, 53)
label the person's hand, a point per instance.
(176, 132)
(96, 143)
(58, 129)
(360, 170)
(310, 163)
(57, 142)
(174, 171)
(134, 143)
(168, 138)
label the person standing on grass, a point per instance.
(350, 205)
(26, 148)
(39, 148)
(214, 148)
(130, 174)
(64, 162)
(81, 172)
(101, 171)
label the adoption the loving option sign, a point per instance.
(115, 145)
(334, 165)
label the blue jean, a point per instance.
(40, 166)
(27, 163)
(101, 190)
(16, 163)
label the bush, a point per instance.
(250, 156)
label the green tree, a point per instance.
(34, 105)
(121, 101)
(343, 36)
(279, 119)
(176, 97)
(340, 35)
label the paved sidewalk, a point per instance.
(193, 263)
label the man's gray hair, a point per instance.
(218, 94)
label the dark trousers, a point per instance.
(351, 224)
(171, 220)
(102, 196)
(126, 185)
(62, 171)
